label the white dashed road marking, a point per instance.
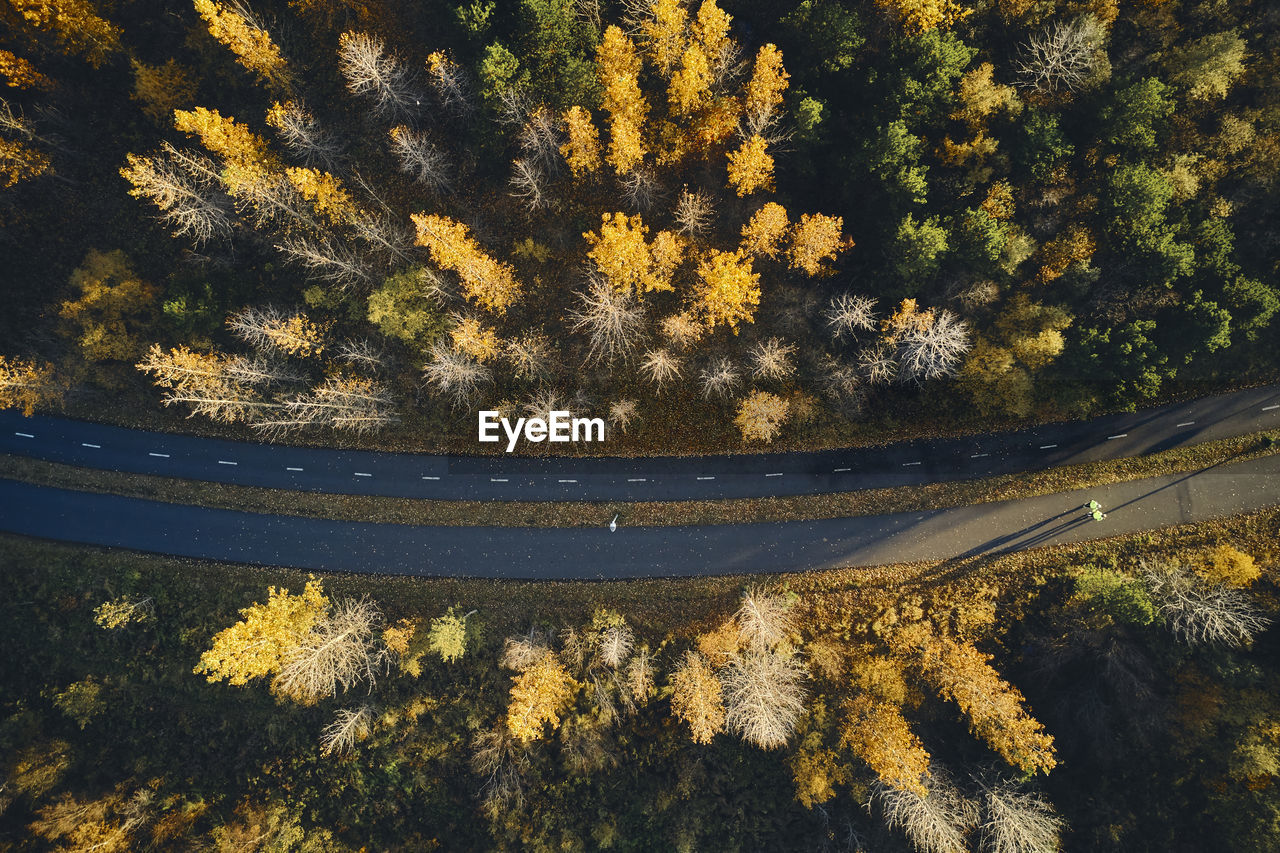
(773, 475)
(1186, 423)
(24, 435)
(94, 446)
(293, 469)
(497, 479)
(362, 474)
(1269, 408)
(979, 455)
(706, 478)
(567, 481)
(159, 455)
(1047, 446)
(1121, 435)
(431, 478)
(225, 462)
(840, 470)
(908, 464)
(636, 480)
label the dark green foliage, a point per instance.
(1138, 117)
(1116, 596)
(826, 32)
(1121, 365)
(1043, 146)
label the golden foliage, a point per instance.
(26, 384)
(448, 636)
(295, 334)
(112, 301)
(761, 416)
(251, 44)
(20, 162)
(727, 290)
(1228, 565)
(18, 73)
(691, 84)
(683, 330)
(711, 28)
(538, 696)
(582, 151)
(262, 640)
(488, 282)
(907, 317)
(122, 611)
(247, 158)
(664, 33)
(1075, 245)
(161, 89)
(325, 193)
(630, 264)
(696, 697)
(999, 201)
(618, 67)
(876, 732)
(763, 233)
(722, 643)
(814, 239)
(75, 24)
(751, 167)
(768, 82)
(920, 16)
(476, 340)
(981, 96)
(398, 639)
(995, 709)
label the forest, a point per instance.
(1113, 696)
(716, 226)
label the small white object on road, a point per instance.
(159, 455)
(1047, 446)
(94, 446)
(24, 435)
(225, 462)
(362, 474)
(613, 525)
(1121, 435)
(431, 478)
(1187, 423)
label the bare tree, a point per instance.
(1198, 611)
(186, 188)
(302, 134)
(660, 366)
(1017, 821)
(543, 402)
(520, 653)
(622, 413)
(361, 352)
(764, 696)
(720, 378)
(372, 72)
(328, 260)
(540, 138)
(386, 235)
(694, 212)
(339, 653)
(349, 727)
(455, 374)
(934, 350)
(879, 364)
(613, 321)
(683, 330)
(849, 314)
(501, 759)
(764, 620)
(1063, 56)
(528, 184)
(641, 189)
(351, 404)
(640, 676)
(449, 82)
(771, 359)
(419, 158)
(615, 644)
(936, 822)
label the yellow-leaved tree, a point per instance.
(816, 239)
(18, 72)
(876, 732)
(761, 416)
(582, 151)
(326, 194)
(19, 162)
(75, 24)
(246, 38)
(665, 31)
(538, 696)
(763, 233)
(696, 697)
(487, 282)
(26, 384)
(768, 82)
(727, 290)
(751, 167)
(627, 262)
(245, 155)
(113, 304)
(618, 66)
(920, 16)
(266, 634)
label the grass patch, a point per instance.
(387, 510)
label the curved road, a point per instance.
(597, 554)
(641, 479)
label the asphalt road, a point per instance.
(653, 478)
(597, 554)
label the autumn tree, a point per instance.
(349, 727)
(1201, 611)
(764, 90)
(763, 233)
(876, 732)
(248, 162)
(814, 240)
(727, 289)
(696, 697)
(455, 374)
(113, 305)
(448, 635)
(1016, 821)
(187, 190)
(849, 314)
(1063, 55)
(920, 16)
(237, 28)
(771, 360)
(612, 321)
(76, 26)
(488, 282)
(720, 378)
(751, 166)
(538, 697)
(995, 709)
(373, 72)
(348, 403)
(763, 695)
(618, 66)
(325, 193)
(936, 821)
(626, 261)
(259, 643)
(292, 333)
(761, 416)
(582, 149)
(161, 89)
(224, 388)
(18, 73)
(26, 384)
(302, 133)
